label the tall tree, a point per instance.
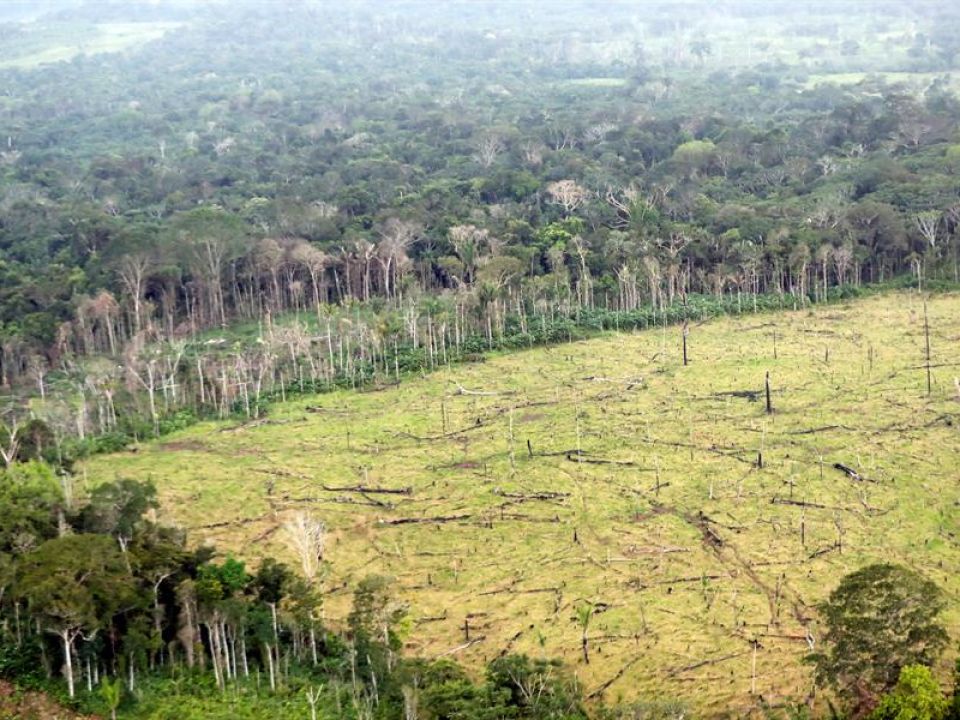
(879, 619)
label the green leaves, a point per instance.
(30, 495)
(76, 581)
(116, 508)
(880, 619)
(917, 696)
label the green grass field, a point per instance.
(56, 42)
(606, 472)
(916, 80)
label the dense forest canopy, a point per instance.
(184, 166)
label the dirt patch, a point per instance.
(655, 511)
(25, 705)
(532, 417)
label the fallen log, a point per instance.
(372, 502)
(458, 648)
(851, 473)
(228, 523)
(369, 489)
(733, 453)
(541, 495)
(797, 503)
(653, 550)
(509, 644)
(424, 520)
(442, 436)
(461, 390)
(823, 551)
(704, 663)
(437, 618)
(510, 590)
(264, 535)
(637, 585)
(521, 517)
(582, 458)
(822, 428)
(751, 395)
(603, 686)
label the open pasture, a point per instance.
(702, 529)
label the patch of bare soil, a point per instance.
(18, 704)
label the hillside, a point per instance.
(607, 472)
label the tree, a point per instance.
(468, 243)
(928, 223)
(133, 270)
(373, 624)
(74, 585)
(695, 156)
(567, 194)
(489, 146)
(395, 237)
(954, 712)
(537, 688)
(116, 508)
(210, 237)
(306, 537)
(32, 499)
(9, 440)
(917, 696)
(315, 261)
(879, 619)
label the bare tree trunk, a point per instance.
(67, 637)
(268, 651)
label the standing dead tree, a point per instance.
(9, 441)
(489, 147)
(766, 387)
(133, 271)
(567, 194)
(928, 223)
(306, 536)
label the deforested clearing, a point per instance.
(701, 516)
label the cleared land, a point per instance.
(56, 42)
(607, 472)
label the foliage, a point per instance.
(916, 696)
(879, 620)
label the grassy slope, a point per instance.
(682, 598)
